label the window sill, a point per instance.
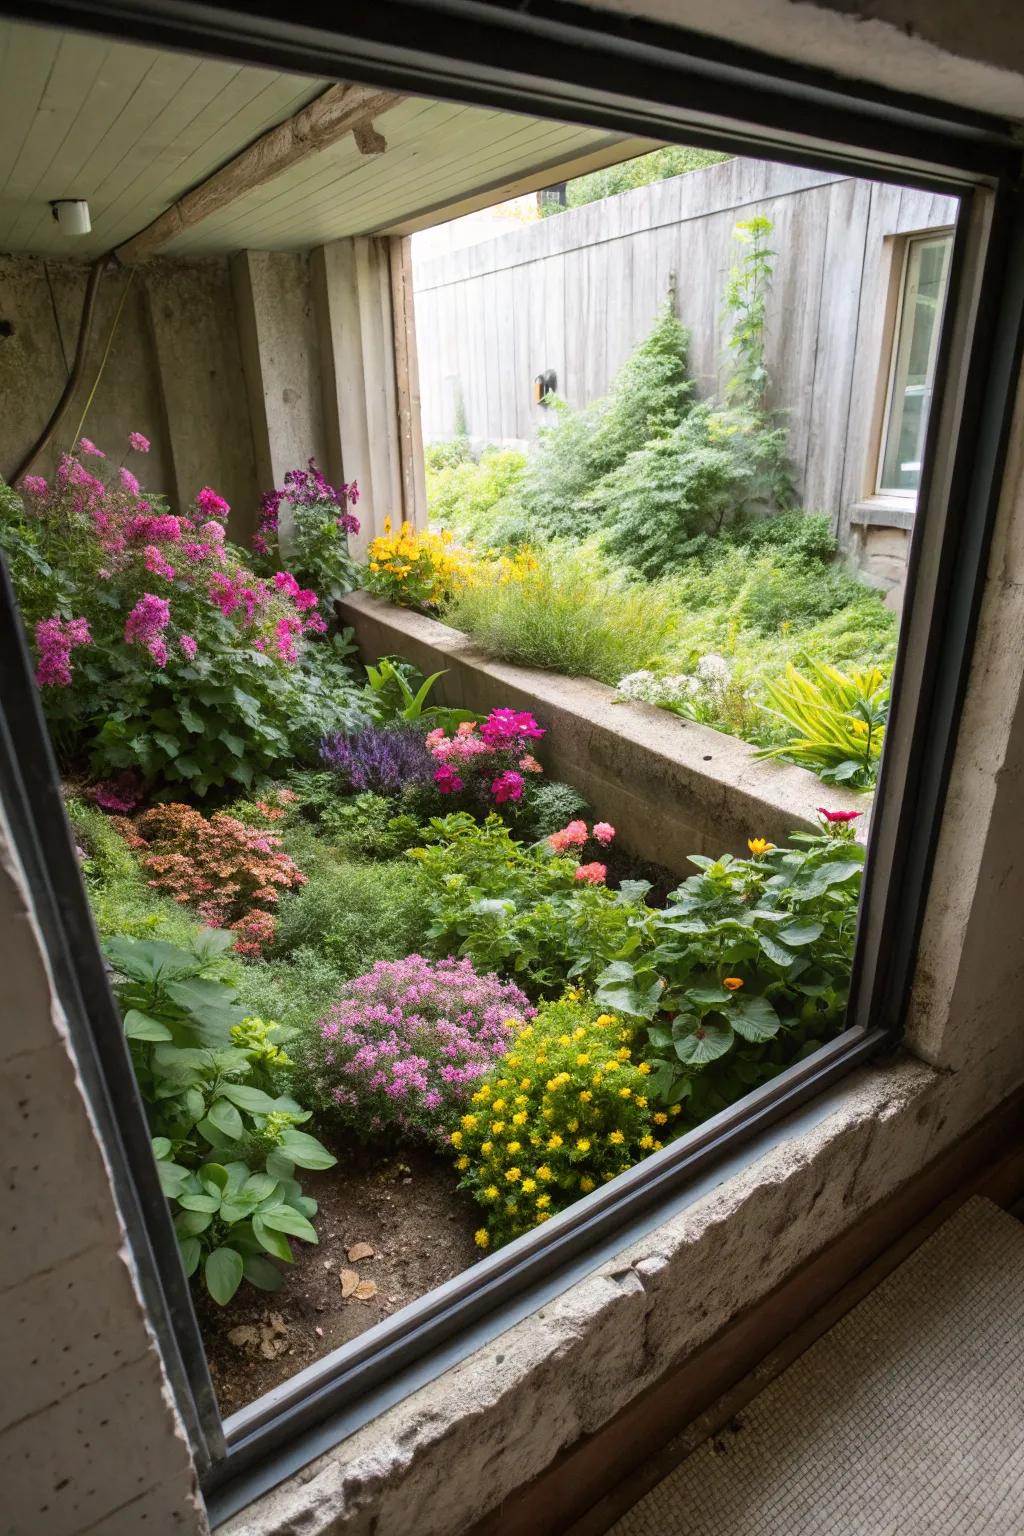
(492, 1419)
(884, 512)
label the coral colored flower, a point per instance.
(592, 874)
(138, 442)
(838, 815)
(604, 832)
(35, 485)
(88, 446)
(529, 764)
(759, 845)
(733, 983)
(572, 836)
(507, 786)
(210, 504)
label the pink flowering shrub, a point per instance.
(158, 648)
(486, 764)
(575, 836)
(404, 1046)
(314, 543)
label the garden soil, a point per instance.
(390, 1230)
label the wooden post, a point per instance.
(407, 381)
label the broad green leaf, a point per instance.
(209, 1203)
(776, 952)
(754, 1018)
(282, 1218)
(214, 1178)
(223, 1274)
(226, 1118)
(262, 1274)
(139, 1026)
(173, 1178)
(254, 1100)
(191, 1249)
(709, 997)
(170, 744)
(801, 933)
(191, 1223)
(238, 1207)
(305, 1151)
(195, 1104)
(709, 1041)
(835, 872)
(259, 1185)
(234, 743)
(271, 1239)
(279, 1166)
(161, 1146)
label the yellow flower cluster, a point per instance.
(566, 1110)
(422, 568)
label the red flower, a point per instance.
(838, 815)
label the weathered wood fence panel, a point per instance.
(577, 292)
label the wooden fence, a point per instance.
(576, 292)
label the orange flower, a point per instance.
(733, 983)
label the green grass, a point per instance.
(570, 615)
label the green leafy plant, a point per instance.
(658, 165)
(395, 696)
(836, 721)
(521, 911)
(745, 952)
(471, 496)
(227, 1149)
(744, 305)
(569, 614)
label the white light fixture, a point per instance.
(72, 215)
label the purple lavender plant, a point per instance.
(405, 1045)
(385, 759)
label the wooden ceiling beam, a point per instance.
(340, 110)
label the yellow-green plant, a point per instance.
(565, 1110)
(837, 720)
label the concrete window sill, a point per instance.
(444, 1456)
(884, 512)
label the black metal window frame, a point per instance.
(559, 60)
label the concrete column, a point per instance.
(280, 346)
(89, 1439)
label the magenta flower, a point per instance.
(129, 481)
(447, 780)
(154, 562)
(210, 504)
(88, 446)
(838, 815)
(213, 532)
(503, 726)
(56, 638)
(35, 485)
(188, 646)
(138, 442)
(507, 786)
(120, 794)
(145, 625)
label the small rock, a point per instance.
(242, 1337)
(364, 1290)
(319, 1332)
(359, 1251)
(349, 1282)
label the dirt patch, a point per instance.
(419, 1229)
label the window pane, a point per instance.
(914, 372)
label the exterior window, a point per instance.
(912, 375)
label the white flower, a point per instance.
(714, 671)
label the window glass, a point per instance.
(913, 373)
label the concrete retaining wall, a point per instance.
(669, 786)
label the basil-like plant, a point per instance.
(747, 952)
(226, 1149)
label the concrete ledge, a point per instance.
(453, 1450)
(669, 786)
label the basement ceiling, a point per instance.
(131, 129)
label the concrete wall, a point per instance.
(670, 787)
(173, 372)
(89, 1439)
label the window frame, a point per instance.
(906, 496)
(634, 76)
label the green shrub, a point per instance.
(658, 165)
(296, 989)
(647, 399)
(570, 614)
(549, 805)
(469, 497)
(352, 914)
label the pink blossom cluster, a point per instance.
(305, 488)
(577, 834)
(145, 626)
(405, 1044)
(488, 759)
(56, 638)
